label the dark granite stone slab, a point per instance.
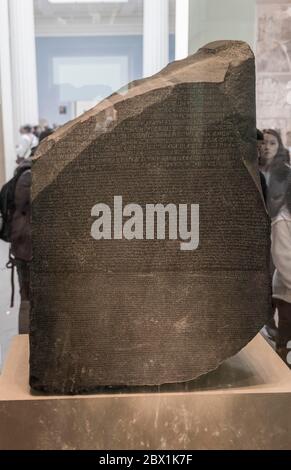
(144, 312)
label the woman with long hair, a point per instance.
(273, 153)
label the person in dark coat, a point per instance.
(21, 243)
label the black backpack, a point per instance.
(7, 204)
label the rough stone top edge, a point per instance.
(173, 74)
(210, 64)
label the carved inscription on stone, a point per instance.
(118, 311)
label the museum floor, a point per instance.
(8, 317)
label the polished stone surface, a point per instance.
(245, 404)
(120, 311)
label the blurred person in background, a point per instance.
(26, 143)
(15, 211)
(21, 243)
(36, 130)
(45, 133)
(272, 153)
(274, 159)
(15, 229)
(260, 141)
(278, 184)
(270, 326)
(281, 254)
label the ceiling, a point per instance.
(91, 18)
(80, 19)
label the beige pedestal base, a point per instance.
(245, 404)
